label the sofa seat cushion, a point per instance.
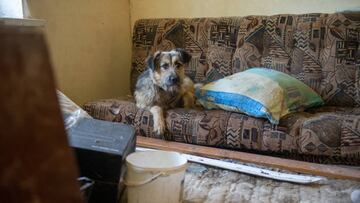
(333, 132)
(330, 137)
(203, 127)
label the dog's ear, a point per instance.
(152, 61)
(185, 57)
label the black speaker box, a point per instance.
(101, 148)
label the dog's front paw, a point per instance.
(159, 121)
(159, 128)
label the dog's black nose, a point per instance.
(174, 79)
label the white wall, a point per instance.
(90, 45)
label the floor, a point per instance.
(208, 184)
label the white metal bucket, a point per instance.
(155, 177)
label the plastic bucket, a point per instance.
(155, 177)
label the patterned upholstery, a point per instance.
(325, 136)
(322, 50)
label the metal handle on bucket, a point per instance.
(133, 183)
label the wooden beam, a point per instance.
(275, 162)
(252, 170)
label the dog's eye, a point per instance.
(165, 66)
(177, 65)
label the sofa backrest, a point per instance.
(322, 50)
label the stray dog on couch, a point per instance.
(164, 85)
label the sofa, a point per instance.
(322, 50)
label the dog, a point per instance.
(164, 85)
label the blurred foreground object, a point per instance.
(36, 163)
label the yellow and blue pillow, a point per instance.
(259, 92)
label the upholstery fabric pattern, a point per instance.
(322, 50)
(326, 137)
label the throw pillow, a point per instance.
(259, 92)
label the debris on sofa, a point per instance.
(70, 111)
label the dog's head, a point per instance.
(167, 68)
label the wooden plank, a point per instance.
(275, 162)
(252, 170)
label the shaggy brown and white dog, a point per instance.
(164, 85)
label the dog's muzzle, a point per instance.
(173, 80)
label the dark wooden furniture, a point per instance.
(36, 163)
